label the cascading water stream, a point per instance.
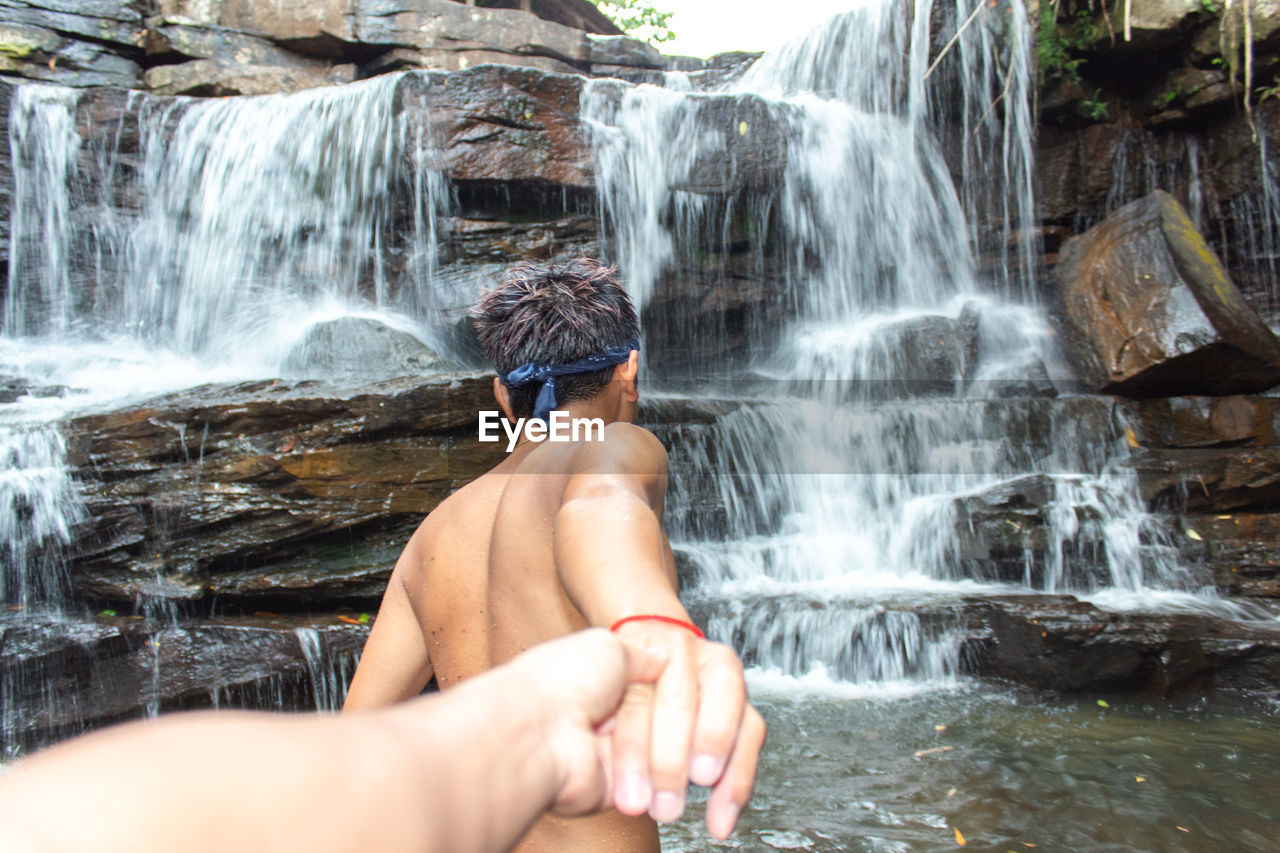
(829, 521)
(187, 241)
(246, 220)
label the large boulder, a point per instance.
(1151, 312)
(358, 346)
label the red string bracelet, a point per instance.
(653, 617)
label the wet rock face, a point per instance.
(1151, 311)
(288, 492)
(1059, 643)
(501, 125)
(62, 676)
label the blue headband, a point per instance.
(546, 374)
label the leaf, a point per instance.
(108, 613)
(364, 618)
(939, 728)
(1193, 535)
(951, 793)
(742, 128)
(1103, 703)
(348, 620)
(1139, 778)
(1130, 439)
(959, 838)
(936, 750)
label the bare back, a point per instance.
(483, 583)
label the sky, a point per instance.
(705, 27)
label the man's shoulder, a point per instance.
(624, 447)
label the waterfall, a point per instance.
(39, 504)
(44, 145)
(890, 424)
(182, 241)
(220, 229)
(327, 674)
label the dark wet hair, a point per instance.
(554, 314)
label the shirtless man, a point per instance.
(560, 536)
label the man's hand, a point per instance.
(694, 724)
(576, 684)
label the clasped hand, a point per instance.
(634, 718)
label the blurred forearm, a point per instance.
(433, 774)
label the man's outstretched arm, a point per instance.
(614, 562)
(468, 770)
(394, 664)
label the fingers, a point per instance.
(644, 667)
(632, 724)
(732, 792)
(675, 710)
(694, 724)
(723, 699)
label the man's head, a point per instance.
(555, 314)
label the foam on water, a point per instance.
(818, 682)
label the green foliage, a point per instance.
(1094, 107)
(1272, 91)
(1059, 43)
(638, 19)
(1167, 98)
(1053, 55)
(1209, 7)
(1084, 30)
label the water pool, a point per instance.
(1009, 769)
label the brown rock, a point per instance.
(1241, 550)
(61, 676)
(1076, 168)
(117, 22)
(1151, 312)
(221, 77)
(1215, 480)
(1059, 643)
(40, 53)
(1204, 421)
(1153, 25)
(459, 59)
(169, 41)
(276, 467)
(496, 123)
(343, 29)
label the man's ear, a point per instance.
(502, 394)
(626, 374)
